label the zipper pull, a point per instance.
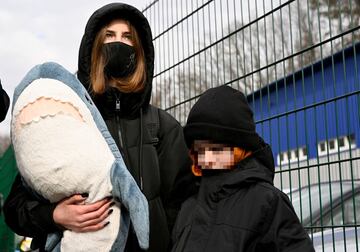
(117, 104)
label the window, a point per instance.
(341, 142)
(336, 145)
(322, 147)
(292, 156)
(351, 138)
(304, 150)
(282, 158)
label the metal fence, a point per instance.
(297, 62)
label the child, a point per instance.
(237, 207)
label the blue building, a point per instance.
(314, 112)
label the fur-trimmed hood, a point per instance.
(130, 103)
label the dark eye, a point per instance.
(127, 36)
(217, 149)
(199, 151)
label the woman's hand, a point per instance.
(72, 213)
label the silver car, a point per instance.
(330, 212)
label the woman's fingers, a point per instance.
(93, 228)
(94, 220)
(96, 223)
(75, 199)
(95, 215)
(93, 207)
(73, 214)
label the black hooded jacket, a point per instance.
(240, 210)
(151, 142)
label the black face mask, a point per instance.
(121, 59)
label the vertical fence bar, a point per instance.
(330, 187)
(305, 122)
(277, 97)
(352, 174)
(267, 75)
(326, 131)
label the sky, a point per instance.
(36, 31)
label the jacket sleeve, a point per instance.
(177, 180)
(285, 232)
(26, 215)
(4, 103)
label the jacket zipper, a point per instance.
(122, 141)
(118, 122)
(140, 152)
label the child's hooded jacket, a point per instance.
(237, 209)
(240, 210)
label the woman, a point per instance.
(116, 61)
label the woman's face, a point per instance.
(118, 31)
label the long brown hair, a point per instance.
(135, 82)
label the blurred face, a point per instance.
(118, 31)
(213, 155)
